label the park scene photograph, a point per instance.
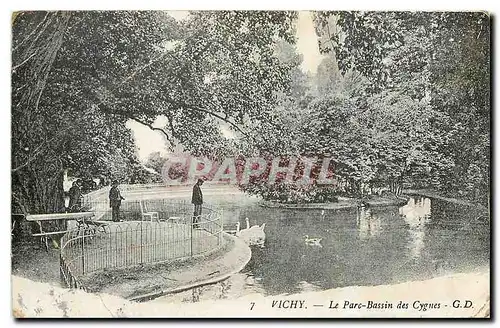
(250, 164)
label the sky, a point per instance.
(307, 42)
(149, 141)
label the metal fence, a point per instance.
(137, 209)
(164, 200)
(134, 242)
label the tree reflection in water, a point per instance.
(363, 247)
(417, 213)
(369, 224)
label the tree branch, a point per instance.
(32, 32)
(204, 110)
(38, 151)
(23, 62)
(201, 109)
(137, 70)
(154, 129)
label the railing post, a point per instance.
(191, 228)
(83, 251)
(61, 274)
(221, 227)
(142, 246)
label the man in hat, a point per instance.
(115, 201)
(197, 201)
(75, 197)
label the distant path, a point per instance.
(435, 194)
(180, 192)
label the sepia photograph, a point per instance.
(250, 164)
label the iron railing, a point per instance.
(154, 197)
(134, 242)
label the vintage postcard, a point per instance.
(250, 164)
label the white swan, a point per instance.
(313, 241)
(255, 227)
(248, 224)
(242, 234)
(238, 231)
(254, 235)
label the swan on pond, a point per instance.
(254, 235)
(254, 226)
(238, 231)
(316, 241)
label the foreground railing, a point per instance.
(124, 244)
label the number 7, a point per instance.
(253, 304)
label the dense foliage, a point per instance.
(399, 100)
(426, 111)
(78, 77)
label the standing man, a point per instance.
(115, 200)
(75, 197)
(197, 200)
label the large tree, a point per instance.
(79, 77)
(59, 60)
(37, 165)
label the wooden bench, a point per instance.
(145, 214)
(83, 219)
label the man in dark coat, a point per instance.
(115, 201)
(75, 197)
(197, 201)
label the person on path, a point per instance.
(115, 201)
(197, 201)
(75, 197)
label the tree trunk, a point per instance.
(38, 189)
(37, 169)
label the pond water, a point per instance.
(423, 239)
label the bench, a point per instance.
(145, 214)
(83, 219)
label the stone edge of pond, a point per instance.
(239, 246)
(341, 205)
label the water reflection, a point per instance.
(417, 211)
(369, 223)
(416, 214)
(371, 246)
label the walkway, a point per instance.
(147, 282)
